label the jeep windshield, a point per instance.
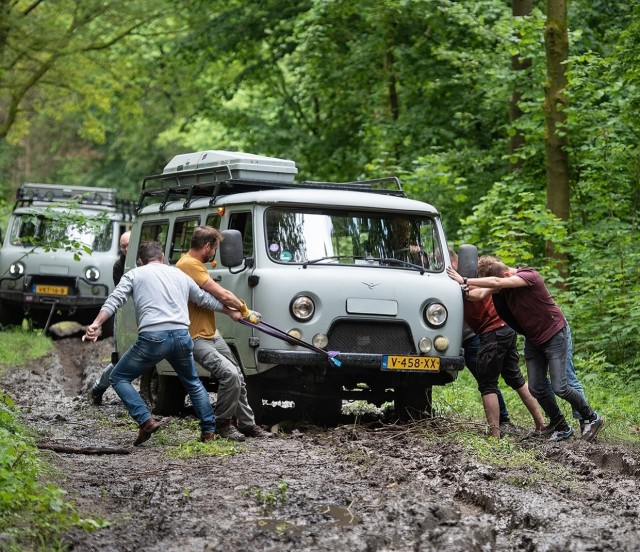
(353, 238)
(29, 230)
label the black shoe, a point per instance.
(96, 396)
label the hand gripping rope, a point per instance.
(275, 332)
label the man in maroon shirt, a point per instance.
(545, 328)
(497, 356)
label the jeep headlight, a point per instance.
(302, 308)
(17, 269)
(92, 274)
(435, 314)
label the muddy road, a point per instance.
(358, 487)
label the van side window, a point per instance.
(155, 231)
(243, 223)
(181, 241)
(213, 220)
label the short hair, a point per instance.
(484, 262)
(202, 235)
(452, 254)
(497, 269)
(150, 251)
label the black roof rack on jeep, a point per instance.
(104, 198)
(218, 181)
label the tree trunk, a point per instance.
(555, 102)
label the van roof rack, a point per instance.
(103, 198)
(221, 180)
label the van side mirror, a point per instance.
(468, 261)
(231, 253)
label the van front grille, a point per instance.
(360, 336)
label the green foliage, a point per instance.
(33, 513)
(18, 346)
(268, 499)
(196, 449)
(611, 391)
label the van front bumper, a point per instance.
(349, 361)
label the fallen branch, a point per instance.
(82, 450)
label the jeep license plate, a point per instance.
(52, 290)
(417, 363)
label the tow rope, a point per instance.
(275, 332)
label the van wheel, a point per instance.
(164, 394)
(413, 403)
(321, 411)
(10, 316)
(254, 397)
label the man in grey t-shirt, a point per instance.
(160, 295)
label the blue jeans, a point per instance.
(470, 346)
(175, 346)
(551, 357)
(572, 377)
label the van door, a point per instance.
(237, 283)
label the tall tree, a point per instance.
(555, 103)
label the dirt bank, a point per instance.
(380, 487)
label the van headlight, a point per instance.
(435, 314)
(17, 269)
(92, 274)
(302, 308)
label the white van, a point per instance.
(45, 283)
(356, 270)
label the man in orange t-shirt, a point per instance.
(209, 348)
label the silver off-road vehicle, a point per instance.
(353, 272)
(56, 262)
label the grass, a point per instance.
(18, 346)
(34, 513)
(616, 400)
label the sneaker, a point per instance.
(227, 430)
(96, 396)
(561, 434)
(592, 427)
(257, 432)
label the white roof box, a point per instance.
(242, 166)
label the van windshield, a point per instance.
(40, 230)
(353, 237)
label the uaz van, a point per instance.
(42, 277)
(353, 272)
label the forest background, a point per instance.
(451, 96)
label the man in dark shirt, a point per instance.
(545, 327)
(102, 383)
(118, 266)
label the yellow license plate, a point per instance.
(419, 363)
(52, 290)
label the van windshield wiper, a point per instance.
(380, 260)
(330, 258)
(402, 263)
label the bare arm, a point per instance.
(223, 295)
(490, 282)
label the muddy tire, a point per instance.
(413, 403)
(254, 397)
(325, 412)
(164, 394)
